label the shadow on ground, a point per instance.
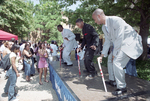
(138, 89)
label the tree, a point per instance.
(140, 11)
(134, 12)
(16, 17)
(1, 1)
(47, 17)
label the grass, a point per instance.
(143, 67)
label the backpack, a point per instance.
(5, 62)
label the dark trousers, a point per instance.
(89, 65)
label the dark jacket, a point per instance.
(90, 36)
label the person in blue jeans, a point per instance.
(27, 61)
(13, 73)
(32, 58)
(32, 67)
(131, 68)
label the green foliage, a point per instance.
(84, 12)
(77, 30)
(1, 1)
(124, 8)
(143, 69)
(16, 17)
(47, 17)
(134, 12)
(104, 61)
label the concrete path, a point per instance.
(93, 90)
(30, 91)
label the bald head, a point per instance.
(99, 16)
(98, 12)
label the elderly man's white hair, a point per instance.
(98, 12)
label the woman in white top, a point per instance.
(7, 50)
(13, 73)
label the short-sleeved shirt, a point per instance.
(54, 47)
(12, 54)
(8, 51)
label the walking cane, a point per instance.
(60, 57)
(78, 64)
(102, 74)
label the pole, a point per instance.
(78, 64)
(60, 57)
(102, 74)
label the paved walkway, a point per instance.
(30, 91)
(93, 90)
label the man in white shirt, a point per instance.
(126, 41)
(69, 43)
(54, 53)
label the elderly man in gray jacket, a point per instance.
(127, 44)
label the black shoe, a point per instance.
(94, 73)
(64, 63)
(110, 82)
(32, 75)
(85, 71)
(70, 65)
(119, 91)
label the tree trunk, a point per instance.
(144, 32)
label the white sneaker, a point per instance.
(17, 95)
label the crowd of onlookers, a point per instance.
(32, 56)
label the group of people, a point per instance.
(41, 54)
(28, 54)
(122, 43)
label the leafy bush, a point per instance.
(143, 69)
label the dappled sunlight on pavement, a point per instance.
(30, 91)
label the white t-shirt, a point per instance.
(8, 51)
(12, 54)
(54, 47)
(2, 48)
